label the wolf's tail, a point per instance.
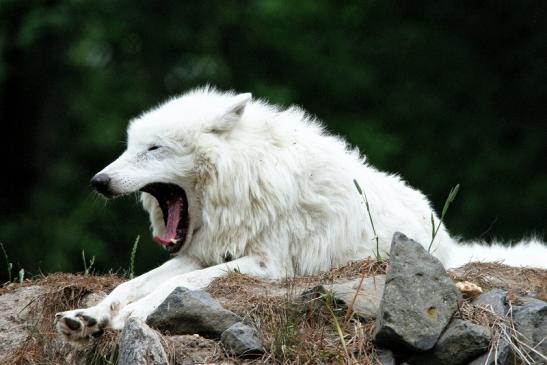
(529, 252)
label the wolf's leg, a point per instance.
(251, 265)
(78, 324)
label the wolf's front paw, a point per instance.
(82, 324)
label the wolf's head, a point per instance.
(162, 158)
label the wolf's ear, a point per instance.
(233, 113)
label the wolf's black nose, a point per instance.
(101, 183)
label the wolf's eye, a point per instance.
(153, 148)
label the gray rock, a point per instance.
(242, 340)
(530, 320)
(140, 345)
(494, 299)
(187, 311)
(491, 358)
(461, 342)
(419, 298)
(369, 296)
(16, 318)
(92, 299)
(366, 301)
(385, 357)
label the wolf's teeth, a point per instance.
(173, 241)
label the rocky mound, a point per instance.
(411, 311)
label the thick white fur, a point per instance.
(269, 188)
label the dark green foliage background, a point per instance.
(443, 92)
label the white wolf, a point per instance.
(231, 182)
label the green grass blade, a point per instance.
(131, 272)
(448, 201)
(9, 264)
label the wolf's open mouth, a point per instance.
(174, 207)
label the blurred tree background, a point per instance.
(443, 92)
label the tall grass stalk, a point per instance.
(364, 197)
(10, 265)
(131, 273)
(339, 331)
(448, 201)
(87, 269)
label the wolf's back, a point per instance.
(528, 252)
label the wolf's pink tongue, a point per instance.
(173, 217)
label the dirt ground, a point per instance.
(292, 331)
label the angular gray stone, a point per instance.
(461, 342)
(187, 311)
(385, 357)
(494, 299)
(365, 303)
(140, 345)
(499, 358)
(419, 298)
(530, 320)
(242, 340)
(16, 310)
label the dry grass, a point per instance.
(520, 281)
(297, 330)
(312, 332)
(64, 292)
(354, 269)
